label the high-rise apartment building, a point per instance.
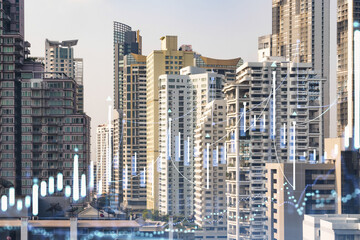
(126, 41)
(41, 130)
(116, 197)
(226, 67)
(168, 60)
(348, 21)
(182, 100)
(52, 131)
(59, 58)
(264, 47)
(266, 127)
(314, 182)
(301, 33)
(134, 131)
(210, 172)
(12, 55)
(103, 163)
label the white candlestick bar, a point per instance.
(284, 140)
(76, 178)
(244, 117)
(179, 146)
(274, 102)
(294, 148)
(208, 165)
(11, 196)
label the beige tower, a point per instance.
(134, 131)
(168, 60)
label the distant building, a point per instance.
(104, 163)
(125, 42)
(134, 132)
(59, 58)
(79, 78)
(331, 226)
(285, 207)
(168, 60)
(226, 67)
(210, 172)
(264, 47)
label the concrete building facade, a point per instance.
(284, 220)
(264, 47)
(301, 33)
(261, 129)
(182, 100)
(347, 25)
(168, 60)
(103, 163)
(134, 132)
(331, 227)
(210, 172)
(59, 58)
(52, 130)
(226, 67)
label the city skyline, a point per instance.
(90, 41)
(243, 40)
(205, 120)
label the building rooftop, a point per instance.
(223, 62)
(138, 57)
(66, 43)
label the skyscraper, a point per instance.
(210, 172)
(266, 127)
(103, 164)
(182, 100)
(134, 132)
(59, 58)
(168, 60)
(52, 130)
(301, 33)
(126, 41)
(348, 21)
(12, 55)
(41, 131)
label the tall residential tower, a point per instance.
(168, 60)
(301, 33)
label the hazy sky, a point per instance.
(215, 28)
